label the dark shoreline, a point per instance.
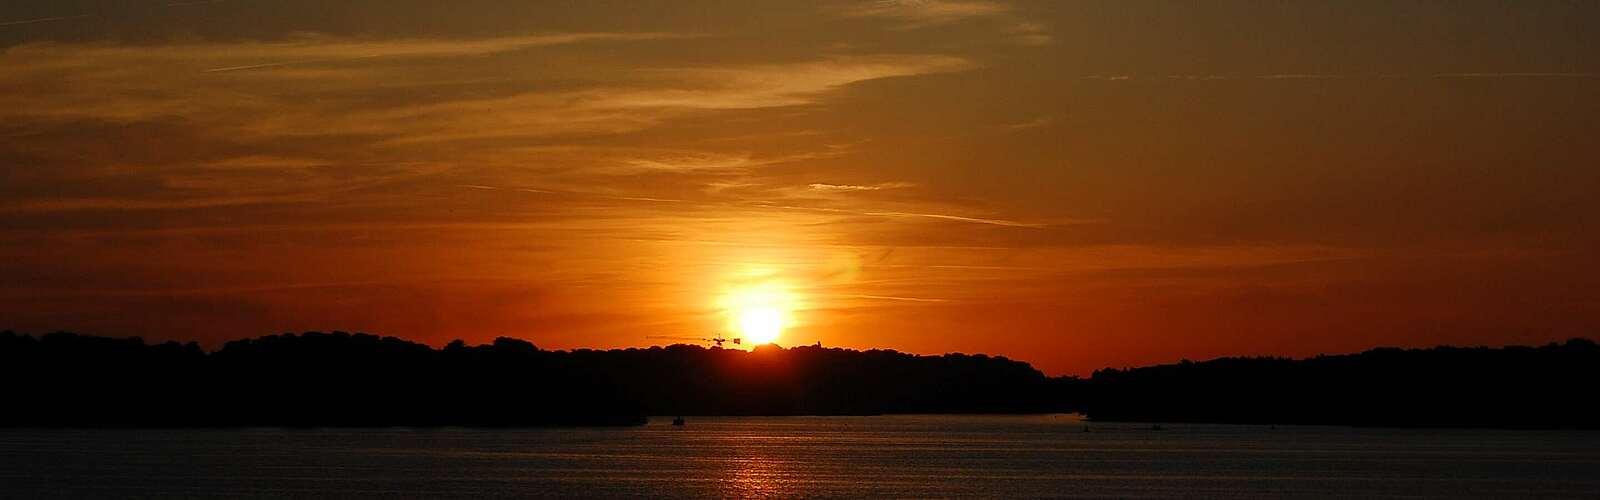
(343, 380)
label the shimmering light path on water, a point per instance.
(897, 456)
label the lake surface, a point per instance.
(893, 456)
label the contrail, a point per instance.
(286, 63)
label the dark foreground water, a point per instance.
(895, 456)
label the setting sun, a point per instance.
(758, 313)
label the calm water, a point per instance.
(897, 456)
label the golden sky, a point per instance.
(1077, 184)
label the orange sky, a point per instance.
(1076, 184)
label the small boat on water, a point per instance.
(678, 421)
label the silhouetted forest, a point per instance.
(341, 379)
(1551, 386)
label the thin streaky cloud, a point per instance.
(919, 13)
(92, 204)
(945, 217)
(881, 297)
(820, 186)
(430, 47)
(42, 20)
(916, 215)
(252, 68)
(1345, 76)
(573, 193)
(644, 198)
(1314, 76)
(1518, 75)
(251, 289)
(957, 218)
(287, 63)
(966, 268)
(1034, 123)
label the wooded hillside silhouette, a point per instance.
(1551, 386)
(341, 379)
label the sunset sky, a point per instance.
(1075, 184)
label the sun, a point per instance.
(758, 313)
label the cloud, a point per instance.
(295, 95)
(920, 13)
(1519, 75)
(774, 85)
(322, 132)
(1034, 123)
(879, 297)
(1030, 33)
(1345, 76)
(283, 63)
(957, 218)
(40, 20)
(305, 51)
(916, 14)
(237, 81)
(691, 162)
(857, 187)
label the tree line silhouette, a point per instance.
(343, 379)
(1550, 386)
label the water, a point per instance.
(894, 456)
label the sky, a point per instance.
(1077, 184)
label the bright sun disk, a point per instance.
(758, 313)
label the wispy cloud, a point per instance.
(691, 163)
(1345, 76)
(857, 187)
(759, 205)
(1519, 75)
(919, 13)
(910, 215)
(772, 85)
(41, 20)
(306, 86)
(284, 63)
(1030, 33)
(957, 218)
(587, 194)
(340, 50)
(881, 297)
(1034, 123)
(671, 94)
(916, 14)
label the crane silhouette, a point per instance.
(717, 340)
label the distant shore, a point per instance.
(359, 380)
